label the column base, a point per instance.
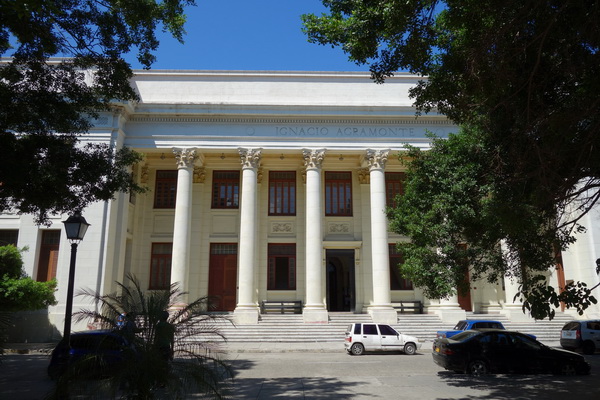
(383, 315)
(246, 315)
(315, 315)
(514, 312)
(448, 313)
(491, 308)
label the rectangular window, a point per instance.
(282, 193)
(9, 236)
(394, 186)
(160, 266)
(165, 189)
(226, 189)
(396, 281)
(282, 267)
(338, 193)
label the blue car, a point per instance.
(93, 354)
(470, 324)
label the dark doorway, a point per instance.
(341, 295)
(222, 276)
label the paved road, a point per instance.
(336, 375)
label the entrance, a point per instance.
(464, 294)
(341, 294)
(222, 276)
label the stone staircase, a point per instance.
(281, 328)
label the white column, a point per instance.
(183, 217)
(513, 307)
(381, 309)
(246, 311)
(314, 308)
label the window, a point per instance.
(282, 193)
(369, 329)
(396, 281)
(165, 189)
(281, 267)
(387, 330)
(9, 236)
(394, 186)
(226, 189)
(338, 193)
(160, 266)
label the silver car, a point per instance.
(378, 337)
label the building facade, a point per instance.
(263, 186)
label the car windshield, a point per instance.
(460, 337)
(460, 326)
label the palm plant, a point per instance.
(145, 374)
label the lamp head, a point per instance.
(76, 226)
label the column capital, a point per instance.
(376, 159)
(313, 158)
(185, 157)
(250, 157)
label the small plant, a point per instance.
(147, 372)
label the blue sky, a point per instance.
(249, 35)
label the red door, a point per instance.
(48, 258)
(464, 296)
(222, 276)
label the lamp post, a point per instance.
(75, 226)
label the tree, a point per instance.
(194, 369)
(18, 292)
(458, 220)
(47, 103)
(523, 78)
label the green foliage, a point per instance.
(46, 103)
(522, 78)
(18, 292)
(195, 368)
(11, 262)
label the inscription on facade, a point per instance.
(348, 131)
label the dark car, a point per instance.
(93, 354)
(493, 350)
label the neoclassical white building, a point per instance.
(263, 186)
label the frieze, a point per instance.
(339, 228)
(282, 227)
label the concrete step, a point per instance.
(275, 328)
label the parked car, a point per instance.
(378, 337)
(494, 350)
(581, 335)
(473, 324)
(94, 353)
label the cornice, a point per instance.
(283, 120)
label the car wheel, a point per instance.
(588, 348)
(410, 349)
(477, 368)
(357, 349)
(567, 369)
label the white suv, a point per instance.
(378, 337)
(584, 335)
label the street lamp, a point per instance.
(75, 226)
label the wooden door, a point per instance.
(464, 296)
(48, 258)
(222, 277)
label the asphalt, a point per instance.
(237, 347)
